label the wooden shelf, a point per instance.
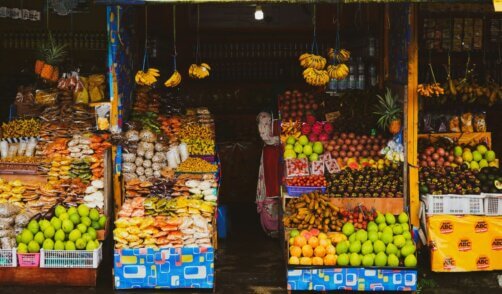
(461, 138)
(384, 205)
(34, 276)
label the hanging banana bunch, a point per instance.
(314, 73)
(198, 70)
(175, 79)
(308, 60)
(146, 77)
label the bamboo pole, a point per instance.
(411, 123)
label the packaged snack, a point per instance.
(297, 167)
(317, 168)
(466, 119)
(479, 122)
(427, 123)
(454, 124)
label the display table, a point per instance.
(26, 276)
(465, 243)
(189, 267)
(351, 278)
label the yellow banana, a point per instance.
(174, 80)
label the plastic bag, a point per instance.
(454, 124)
(7, 233)
(428, 125)
(47, 98)
(466, 119)
(8, 210)
(103, 116)
(6, 223)
(23, 219)
(479, 122)
(13, 147)
(7, 243)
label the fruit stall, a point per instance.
(168, 177)
(55, 178)
(460, 180)
(345, 214)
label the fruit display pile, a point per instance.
(295, 105)
(307, 181)
(356, 148)
(446, 168)
(21, 128)
(69, 229)
(302, 148)
(367, 182)
(385, 242)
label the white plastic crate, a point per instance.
(455, 204)
(71, 258)
(8, 257)
(493, 203)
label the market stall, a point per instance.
(459, 140)
(55, 175)
(168, 175)
(344, 205)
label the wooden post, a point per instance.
(411, 123)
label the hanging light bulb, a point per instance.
(258, 14)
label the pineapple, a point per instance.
(390, 112)
(53, 54)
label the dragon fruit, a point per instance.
(310, 119)
(328, 128)
(317, 128)
(306, 129)
(313, 137)
(323, 137)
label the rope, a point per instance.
(197, 50)
(314, 38)
(174, 36)
(146, 38)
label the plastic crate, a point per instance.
(455, 204)
(298, 191)
(28, 259)
(8, 257)
(71, 258)
(493, 203)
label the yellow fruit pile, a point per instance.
(311, 248)
(308, 60)
(197, 165)
(200, 72)
(147, 78)
(338, 72)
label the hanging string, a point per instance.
(197, 49)
(337, 40)
(174, 36)
(315, 48)
(146, 38)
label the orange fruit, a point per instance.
(330, 259)
(324, 243)
(307, 251)
(295, 251)
(300, 241)
(322, 236)
(313, 241)
(317, 261)
(320, 251)
(294, 260)
(305, 261)
(330, 250)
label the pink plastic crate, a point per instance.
(28, 259)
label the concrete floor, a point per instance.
(250, 262)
